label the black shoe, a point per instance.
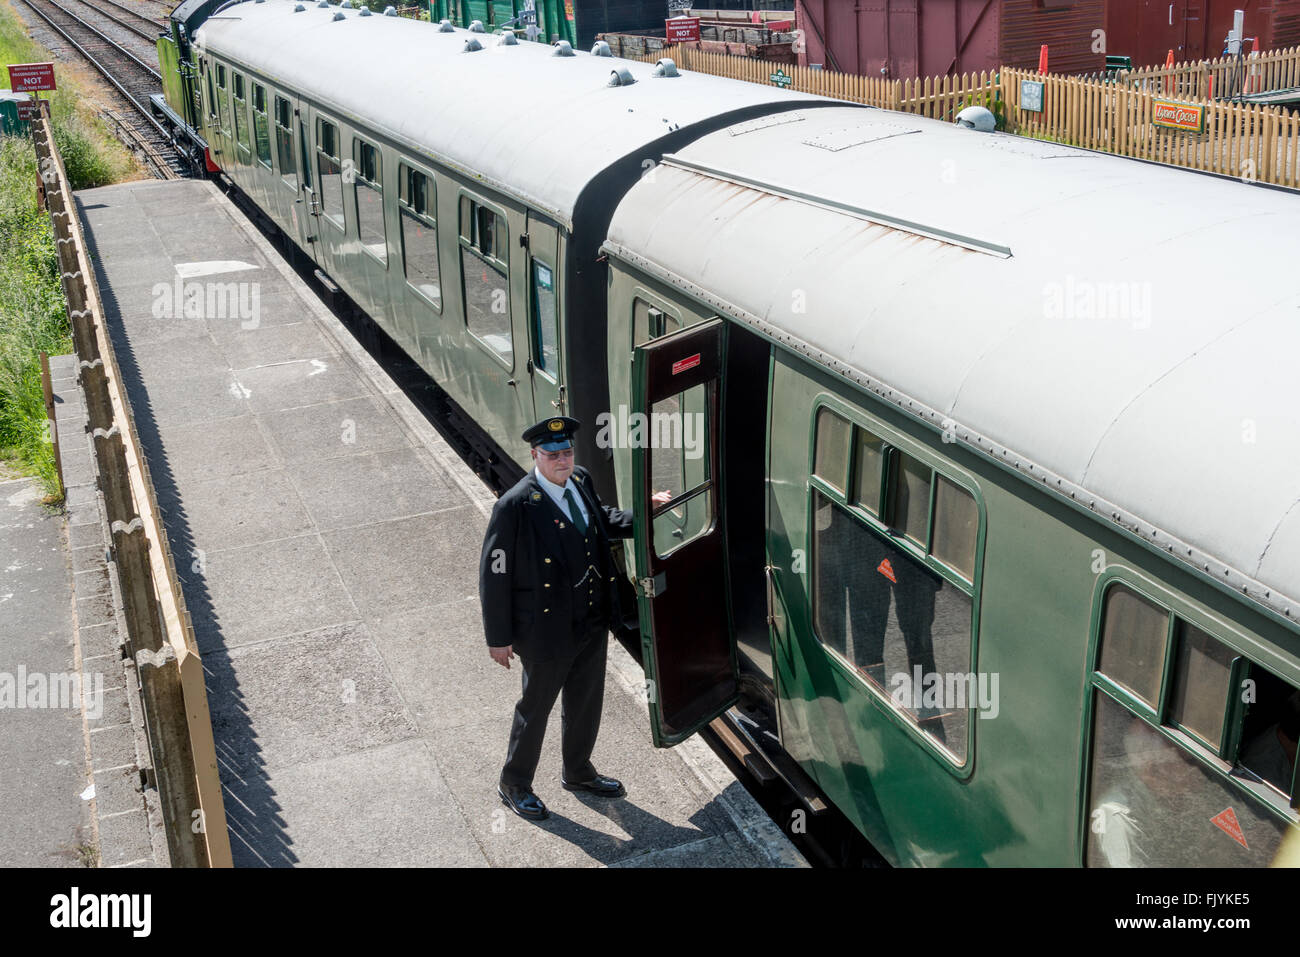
(605, 787)
(523, 802)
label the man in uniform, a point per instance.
(547, 586)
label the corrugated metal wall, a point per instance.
(899, 39)
(1067, 29)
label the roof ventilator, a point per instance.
(477, 27)
(363, 12)
(298, 8)
(444, 26)
(324, 4)
(390, 11)
(345, 5)
(562, 48)
(666, 67)
(621, 77)
(977, 118)
(472, 45)
(339, 16)
(508, 39)
(601, 49)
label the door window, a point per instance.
(330, 169)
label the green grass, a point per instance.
(33, 316)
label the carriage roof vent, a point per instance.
(345, 5)
(508, 39)
(621, 77)
(476, 26)
(444, 26)
(562, 48)
(472, 45)
(339, 16)
(390, 11)
(601, 49)
(323, 3)
(259, 1)
(298, 8)
(363, 12)
(666, 67)
(977, 118)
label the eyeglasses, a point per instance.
(552, 456)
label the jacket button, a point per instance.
(546, 584)
(547, 560)
(545, 610)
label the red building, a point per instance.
(908, 38)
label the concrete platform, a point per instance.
(329, 542)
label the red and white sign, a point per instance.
(690, 362)
(28, 110)
(682, 29)
(1226, 821)
(29, 77)
(886, 569)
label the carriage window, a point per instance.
(212, 99)
(368, 191)
(892, 618)
(415, 202)
(330, 169)
(1202, 675)
(261, 130)
(832, 455)
(911, 497)
(241, 120)
(1158, 798)
(650, 322)
(544, 319)
(871, 452)
(223, 101)
(284, 141)
(679, 444)
(483, 252)
(1152, 804)
(956, 527)
(1133, 637)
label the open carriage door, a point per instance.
(689, 650)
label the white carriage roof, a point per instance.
(1123, 333)
(531, 124)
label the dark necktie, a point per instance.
(574, 512)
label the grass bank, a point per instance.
(33, 316)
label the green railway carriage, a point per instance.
(471, 238)
(993, 510)
(1053, 510)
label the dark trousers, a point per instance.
(579, 681)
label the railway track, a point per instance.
(132, 79)
(140, 25)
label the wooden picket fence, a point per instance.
(1112, 114)
(1220, 78)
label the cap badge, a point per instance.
(555, 425)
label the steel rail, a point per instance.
(138, 31)
(140, 104)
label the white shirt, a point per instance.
(556, 492)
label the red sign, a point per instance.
(779, 26)
(1178, 116)
(681, 365)
(682, 29)
(1227, 822)
(29, 77)
(886, 569)
(28, 110)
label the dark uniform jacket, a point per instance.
(525, 583)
